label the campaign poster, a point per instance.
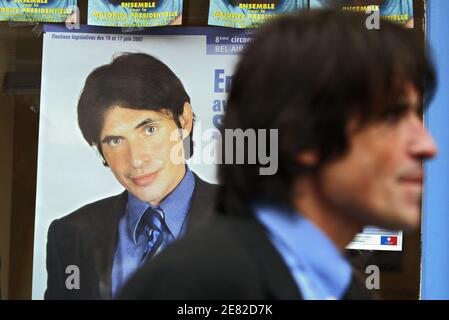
(72, 178)
(71, 173)
(398, 11)
(146, 13)
(37, 10)
(250, 13)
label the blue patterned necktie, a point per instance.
(154, 225)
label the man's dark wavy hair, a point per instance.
(307, 75)
(135, 81)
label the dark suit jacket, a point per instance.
(87, 238)
(230, 259)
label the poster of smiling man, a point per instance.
(126, 150)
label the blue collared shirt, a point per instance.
(132, 241)
(315, 263)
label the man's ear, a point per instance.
(186, 120)
(307, 158)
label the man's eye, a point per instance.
(150, 130)
(114, 141)
(395, 114)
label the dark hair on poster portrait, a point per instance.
(135, 90)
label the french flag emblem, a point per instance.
(388, 241)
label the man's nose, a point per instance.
(424, 146)
(139, 155)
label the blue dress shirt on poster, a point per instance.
(317, 266)
(52, 11)
(399, 11)
(133, 241)
(224, 13)
(145, 14)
